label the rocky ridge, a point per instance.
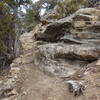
(54, 54)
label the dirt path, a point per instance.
(35, 85)
(38, 86)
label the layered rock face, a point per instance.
(64, 46)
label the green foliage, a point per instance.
(2, 46)
(9, 29)
(72, 5)
(33, 14)
(6, 26)
(7, 33)
(30, 20)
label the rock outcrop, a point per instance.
(66, 45)
(70, 49)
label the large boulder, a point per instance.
(57, 57)
(64, 46)
(82, 25)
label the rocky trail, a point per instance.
(57, 62)
(36, 85)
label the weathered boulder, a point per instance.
(84, 24)
(60, 50)
(54, 57)
(51, 32)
